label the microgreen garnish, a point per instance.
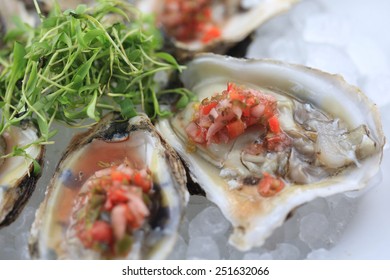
(78, 64)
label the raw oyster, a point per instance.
(119, 192)
(307, 134)
(17, 177)
(207, 25)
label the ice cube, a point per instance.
(328, 29)
(303, 10)
(370, 59)
(209, 222)
(234, 254)
(180, 249)
(314, 229)
(285, 251)
(257, 256)
(319, 254)
(377, 88)
(288, 48)
(203, 247)
(196, 204)
(291, 228)
(331, 59)
(318, 205)
(183, 229)
(342, 209)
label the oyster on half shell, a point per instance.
(266, 137)
(17, 177)
(119, 191)
(210, 25)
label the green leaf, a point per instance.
(43, 127)
(83, 70)
(64, 38)
(127, 108)
(51, 22)
(81, 9)
(32, 79)
(19, 62)
(56, 11)
(168, 58)
(93, 35)
(91, 112)
(13, 35)
(182, 102)
(80, 36)
(89, 88)
(37, 167)
(115, 10)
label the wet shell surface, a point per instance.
(335, 142)
(17, 177)
(106, 146)
(235, 20)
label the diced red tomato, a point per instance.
(205, 109)
(131, 219)
(273, 123)
(251, 100)
(207, 13)
(269, 111)
(142, 182)
(235, 95)
(102, 232)
(119, 176)
(230, 86)
(235, 129)
(252, 121)
(246, 112)
(117, 195)
(269, 186)
(211, 34)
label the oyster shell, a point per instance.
(56, 232)
(334, 142)
(233, 20)
(17, 179)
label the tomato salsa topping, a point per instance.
(227, 115)
(190, 20)
(112, 208)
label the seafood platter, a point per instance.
(112, 125)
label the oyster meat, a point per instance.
(210, 25)
(266, 137)
(119, 191)
(17, 177)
